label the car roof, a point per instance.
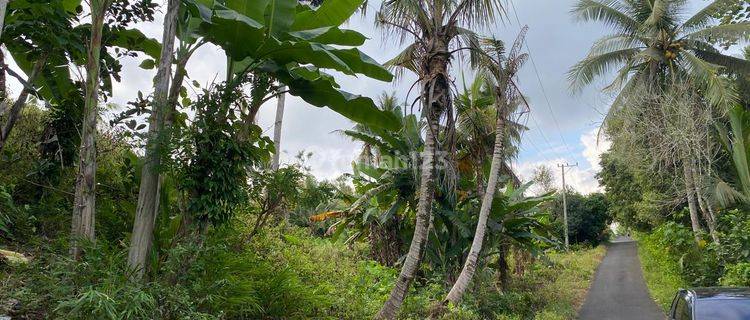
(720, 293)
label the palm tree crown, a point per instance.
(651, 41)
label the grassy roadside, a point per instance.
(571, 278)
(661, 273)
(552, 289)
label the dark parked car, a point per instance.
(711, 304)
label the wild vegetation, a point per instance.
(676, 173)
(177, 205)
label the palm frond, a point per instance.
(479, 13)
(738, 120)
(616, 42)
(469, 40)
(584, 72)
(403, 18)
(725, 33)
(405, 60)
(704, 17)
(628, 89)
(732, 64)
(658, 12)
(611, 12)
(726, 195)
(718, 89)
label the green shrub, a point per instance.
(734, 226)
(737, 275)
(661, 270)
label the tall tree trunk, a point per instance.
(3, 8)
(84, 203)
(503, 268)
(436, 100)
(277, 127)
(706, 212)
(690, 194)
(421, 228)
(705, 207)
(3, 87)
(15, 109)
(467, 273)
(145, 216)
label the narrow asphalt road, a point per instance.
(619, 291)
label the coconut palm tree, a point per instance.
(434, 29)
(654, 47)
(277, 127)
(651, 42)
(499, 71)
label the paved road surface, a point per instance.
(619, 291)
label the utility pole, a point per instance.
(565, 201)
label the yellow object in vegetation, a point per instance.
(325, 216)
(14, 258)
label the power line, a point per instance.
(541, 85)
(541, 132)
(539, 150)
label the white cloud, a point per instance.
(581, 178)
(593, 147)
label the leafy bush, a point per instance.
(698, 264)
(737, 275)
(588, 218)
(734, 226)
(661, 270)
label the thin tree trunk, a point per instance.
(712, 216)
(424, 208)
(84, 203)
(3, 8)
(503, 268)
(467, 273)
(436, 100)
(277, 128)
(3, 87)
(15, 109)
(143, 226)
(690, 193)
(705, 208)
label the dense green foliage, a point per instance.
(588, 218)
(193, 221)
(231, 238)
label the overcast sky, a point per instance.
(562, 125)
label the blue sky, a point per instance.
(562, 130)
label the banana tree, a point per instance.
(292, 42)
(519, 221)
(735, 140)
(386, 188)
